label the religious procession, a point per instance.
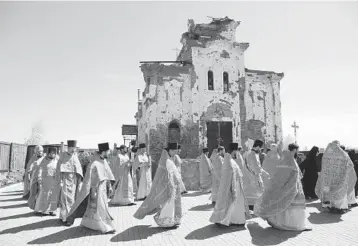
(265, 182)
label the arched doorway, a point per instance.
(173, 132)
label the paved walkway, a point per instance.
(19, 226)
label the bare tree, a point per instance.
(37, 134)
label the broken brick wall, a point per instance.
(261, 108)
(217, 105)
(167, 99)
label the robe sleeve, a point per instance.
(255, 165)
(233, 186)
(136, 163)
(39, 177)
(210, 165)
(94, 178)
(80, 182)
(145, 164)
(127, 163)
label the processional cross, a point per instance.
(219, 113)
(295, 127)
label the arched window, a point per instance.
(210, 80)
(226, 81)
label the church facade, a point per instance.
(208, 97)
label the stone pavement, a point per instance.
(19, 226)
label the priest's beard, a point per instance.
(104, 157)
(296, 155)
(257, 151)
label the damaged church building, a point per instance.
(207, 96)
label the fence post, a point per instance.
(62, 147)
(10, 157)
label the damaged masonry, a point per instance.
(207, 96)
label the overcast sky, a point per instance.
(75, 66)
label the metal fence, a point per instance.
(12, 156)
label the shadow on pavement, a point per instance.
(117, 205)
(13, 199)
(314, 205)
(196, 193)
(34, 226)
(137, 233)
(269, 235)
(21, 205)
(324, 218)
(16, 194)
(205, 207)
(212, 230)
(70, 233)
(18, 216)
(13, 191)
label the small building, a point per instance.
(207, 96)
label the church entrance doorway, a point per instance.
(218, 133)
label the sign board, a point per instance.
(129, 130)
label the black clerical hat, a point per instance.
(234, 146)
(71, 143)
(173, 146)
(205, 150)
(258, 143)
(141, 146)
(103, 147)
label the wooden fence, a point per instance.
(12, 156)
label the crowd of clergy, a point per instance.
(272, 186)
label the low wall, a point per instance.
(190, 174)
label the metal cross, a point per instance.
(295, 127)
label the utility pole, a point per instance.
(295, 127)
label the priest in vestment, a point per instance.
(114, 163)
(231, 207)
(31, 166)
(178, 162)
(254, 171)
(272, 159)
(283, 202)
(135, 175)
(217, 159)
(335, 186)
(352, 155)
(144, 163)
(43, 185)
(205, 169)
(69, 177)
(92, 202)
(123, 188)
(262, 156)
(164, 199)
